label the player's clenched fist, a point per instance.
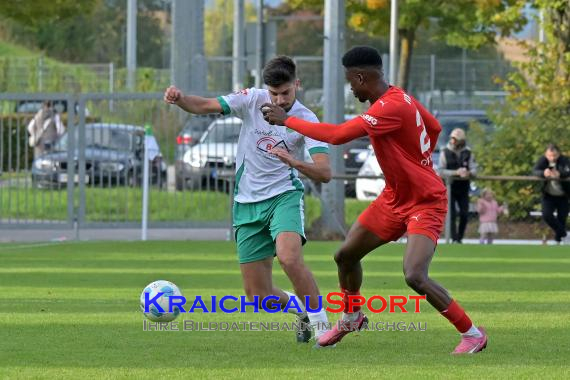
(172, 95)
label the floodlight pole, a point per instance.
(259, 41)
(541, 32)
(332, 200)
(131, 44)
(188, 68)
(238, 66)
(393, 41)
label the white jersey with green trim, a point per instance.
(259, 174)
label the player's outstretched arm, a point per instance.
(330, 133)
(335, 134)
(191, 103)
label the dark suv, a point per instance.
(113, 156)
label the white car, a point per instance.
(209, 164)
(206, 164)
(368, 189)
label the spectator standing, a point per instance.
(44, 129)
(553, 167)
(456, 163)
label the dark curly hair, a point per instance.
(279, 70)
(362, 56)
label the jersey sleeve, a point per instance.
(237, 103)
(335, 134)
(382, 118)
(312, 145)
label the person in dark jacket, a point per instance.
(456, 160)
(553, 167)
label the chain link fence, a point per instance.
(520, 196)
(442, 84)
(91, 176)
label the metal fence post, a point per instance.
(431, 81)
(71, 159)
(448, 221)
(40, 73)
(81, 162)
(145, 185)
(231, 231)
(111, 83)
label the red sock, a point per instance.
(457, 316)
(348, 293)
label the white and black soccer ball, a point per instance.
(169, 289)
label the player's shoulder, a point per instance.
(302, 112)
(398, 96)
(251, 93)
(392, 100)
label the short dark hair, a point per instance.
(553, 148)
(362, 56)
(279, 70)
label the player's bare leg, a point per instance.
(359, 242)
(257, 281)
(419, 253)
(290, 256)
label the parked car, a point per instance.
(33, 106)
(213, 157)
(191, 133)
(368, 189)
(354, 154)
(207, 164)
(113, 156)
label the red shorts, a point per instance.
(390, 225)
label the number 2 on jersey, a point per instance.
(424, 138)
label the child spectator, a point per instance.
(488, 210)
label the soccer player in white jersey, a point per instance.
(268, 209)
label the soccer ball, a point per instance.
(169, 289)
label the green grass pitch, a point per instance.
(71, 310)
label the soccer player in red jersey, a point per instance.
(403, 134)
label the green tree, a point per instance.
(88, 34)
(218, 26)
(463, 23)
(33, 13)
(536, 111)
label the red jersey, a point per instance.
(403, 134)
